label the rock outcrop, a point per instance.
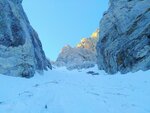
(21, 51)
(81, 56)
(124, 44)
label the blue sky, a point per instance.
(62, 22)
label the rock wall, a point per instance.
(21, 51)
(124, 43)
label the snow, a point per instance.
(63, 91)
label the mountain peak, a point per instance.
(90, 42)
(81, 56)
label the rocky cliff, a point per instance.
(124, 43)
(21, 51)
(81, 56)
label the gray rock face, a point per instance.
(124, 43)
(21, 51)
(81, 56)
(76, 58)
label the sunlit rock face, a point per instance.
(81, 56)
(21, 51)
(124, 43)
(89, 43)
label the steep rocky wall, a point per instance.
(21, 51)
(124, 43)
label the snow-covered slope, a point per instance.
(62, 91)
